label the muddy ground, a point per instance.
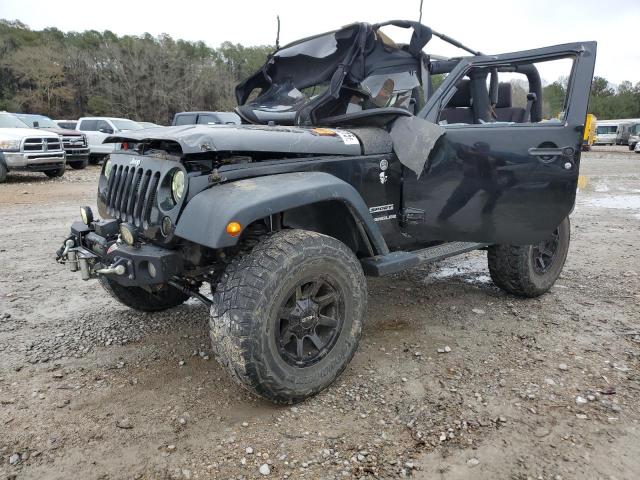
(547, 388)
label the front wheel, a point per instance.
(95, 159)
(141, 299)
(530, 270)
(58, 172)
(79, 164)
(287, 316)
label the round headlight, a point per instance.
(177, 185)
(128, 233)
(107, 168)
(86, 214)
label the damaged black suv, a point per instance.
(357, 156)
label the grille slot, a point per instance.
(131, 194)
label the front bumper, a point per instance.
(76, 154)
(34, 161)
(96, 250)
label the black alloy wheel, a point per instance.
(309, 322)
(545, 252)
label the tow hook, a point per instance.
(112, 270)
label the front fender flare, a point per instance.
(206, 216)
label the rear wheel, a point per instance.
(58, 172)
(140, 299)
(287, 317)
(530, 270)
(3, 172)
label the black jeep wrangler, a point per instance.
(357, 156)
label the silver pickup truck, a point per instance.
(23, 148)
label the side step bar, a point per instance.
(395, 262)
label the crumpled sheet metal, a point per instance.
(413, 139)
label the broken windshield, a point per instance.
(341, 72)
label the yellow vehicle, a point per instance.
(589, 135)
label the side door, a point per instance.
(90, 129)
(105, 129)
(510, 177)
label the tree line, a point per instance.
(68, 75)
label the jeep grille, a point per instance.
(131, 193)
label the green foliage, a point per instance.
(606, 102)
(553, 96)
(143, 77)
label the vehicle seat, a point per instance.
(459, 109)
(505, 112)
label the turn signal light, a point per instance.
(234, 229)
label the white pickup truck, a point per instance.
(24, 148)
(98, 128)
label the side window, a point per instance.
(185, 120)
(104, 125)
(531, 93)
(88, 125)
(208, 120)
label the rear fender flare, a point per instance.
(206, 216)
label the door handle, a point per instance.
(552, 152)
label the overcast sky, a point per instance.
(491, 26)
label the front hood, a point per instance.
(248, 138)
(63, 131)
(19, 133)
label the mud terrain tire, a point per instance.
(530, 270)
(293, 288)
(140, 299)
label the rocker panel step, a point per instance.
(395, 262)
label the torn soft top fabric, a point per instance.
(413, 139)
(326, 75)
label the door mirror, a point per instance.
(106, 130)
(36, 124)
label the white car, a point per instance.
(637, 149)
(24, 148)
(98, 128)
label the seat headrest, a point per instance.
(504, 95)
(462, 97)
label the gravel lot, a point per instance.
(547, 388)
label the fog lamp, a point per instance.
(128, 233)
(234, 229)
(86, 214)
(166, 227)
(152, 270)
